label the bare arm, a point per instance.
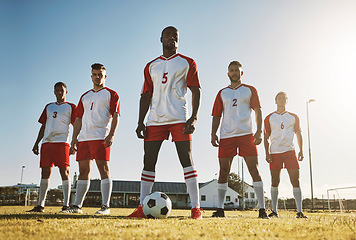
(39, 138)
(76, 129)
(189, 126)
(257, 139)
(145, 102)
(300, 144)
(214, 128)
(110, 137)
(266, 144)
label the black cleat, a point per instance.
(273, 214)
(301, 215)
(262, 214)
(37, 209)
(219, 213)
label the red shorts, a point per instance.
(56, 154)
(158, 133)
(93, 150)
(288, 159)
(228, 146)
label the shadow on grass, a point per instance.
(39, 216)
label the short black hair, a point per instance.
(169, 27)
(235, 63)
(97, 66)
(60, 84)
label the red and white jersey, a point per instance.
(236, 105)
(96, 109)
(166, 81)
(281, 127)
(57, 117)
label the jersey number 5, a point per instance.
(165, 77)
(54, 114)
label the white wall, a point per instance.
(211, 195)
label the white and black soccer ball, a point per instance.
(157, 205)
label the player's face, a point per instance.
(235, 73)
(60, 92)
(98, 77)
(170, 39)
(281, 100)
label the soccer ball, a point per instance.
(157, 205)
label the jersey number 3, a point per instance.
(54, 114)
(165, 78)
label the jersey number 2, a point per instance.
(165, 77)
(235, 102)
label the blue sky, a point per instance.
(305, 48)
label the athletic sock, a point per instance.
(274, 197)
(147, 181)
(297, 192)
(82, 189)
(258, 187)
(222, 188)
(44, 186)
(191, 180)
(66, 187)
(106, 189)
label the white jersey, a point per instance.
(236, 105)
(96, 109)
(166, 81)
(57, 117)
(281, 127)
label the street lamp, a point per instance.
(310, 162)
(22, 174)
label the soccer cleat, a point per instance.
(301, 215)
(37, 209)
(273, 214)
(262, 214)
(64, 209)
(104, 210)
(196, 213)
(138, 213)
(74, 209)
(219, 213)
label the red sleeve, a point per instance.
(79, 111)
(254, 102)
(73, 115)
(297, 124)
(43, 117)
(148, 84)
(218, 106)
(192, 76)
(114, 103)
(267, 126)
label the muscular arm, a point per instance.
(39, 138)
(266, 144)
(300, 144)
(214, 128)
(76, 129)
(257, 136)
(145, 102)
(190, 124)
(110, 137)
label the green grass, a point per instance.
(16, 224)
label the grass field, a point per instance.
(16, 224)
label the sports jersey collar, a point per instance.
(171, 57)
(57, 103)
(235, 87)
(98, 90)
(281, 113)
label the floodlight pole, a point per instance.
(310, 161)
(243, 184)
(22, 174)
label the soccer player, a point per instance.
(55, 120)
(236, 102)
(280, 127)
(164, 97)
(93, 135)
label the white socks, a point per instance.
(222, 188)
(191, 180)
(66, 186)
(258, 187)
(147, 181)
(297, 192)
(82, 189)
(274, 197)
(106, 188)
(44, 186)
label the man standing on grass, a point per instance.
(55, 120)
(280, 127)
(93, 137)
(164, 96)
(236, 102)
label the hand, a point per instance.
(108, 140)
(35, 149)
(268, 157)
(300, 156)
(215, 140)
(73, 147)
(141, 128)
(257, 139)
(189, 126)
